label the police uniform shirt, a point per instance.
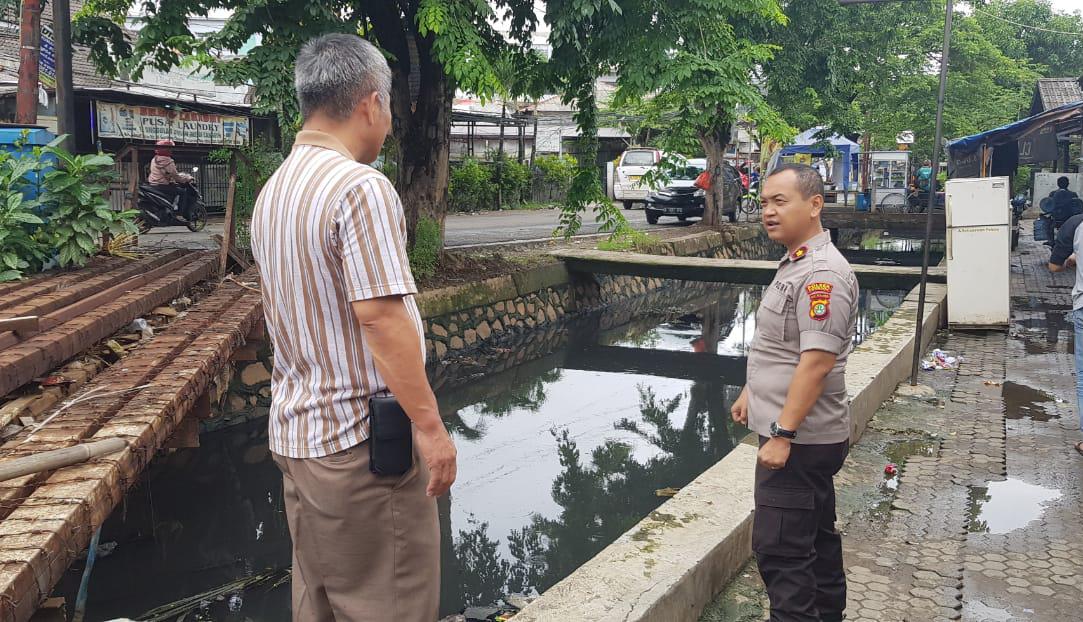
(810, 305)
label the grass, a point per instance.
(626, 240)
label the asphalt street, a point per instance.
(461, 229)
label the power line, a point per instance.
(1005, 19)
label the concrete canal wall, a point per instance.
(672, 564)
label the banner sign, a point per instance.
(153, 123)
(47, 59)
(1039, 146)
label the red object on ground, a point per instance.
(891, 470)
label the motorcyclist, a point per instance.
(166, 179)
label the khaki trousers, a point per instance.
(366, 548)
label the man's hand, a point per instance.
(438, 452)
(775, 453)
(1071, 261)
(739, 410)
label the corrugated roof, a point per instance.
(1056, 92)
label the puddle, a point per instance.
(1003, 507)
(1023, 402)
(897, 453)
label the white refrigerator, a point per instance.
(979, 222)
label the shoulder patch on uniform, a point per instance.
(819, 300)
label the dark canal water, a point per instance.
(564, 439)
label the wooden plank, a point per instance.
(23, 324)
(726, 270)
(94, 301)
(34, 356)
(230, 228)
(32, 561)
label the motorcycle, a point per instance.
(158, 207)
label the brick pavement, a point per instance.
(984, 521)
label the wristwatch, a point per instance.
(782, 432)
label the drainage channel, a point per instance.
(560, 454)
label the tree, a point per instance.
(433, 47)
(691, 64)
(1032, 30)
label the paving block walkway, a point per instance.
(985, 520)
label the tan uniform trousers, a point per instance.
(366, 548)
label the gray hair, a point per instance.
(336, 71)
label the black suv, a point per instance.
(681, 198)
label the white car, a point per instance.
(634, 163)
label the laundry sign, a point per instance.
(154, 123)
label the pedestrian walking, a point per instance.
(795, 400)
(329, 237)
(1066, 249)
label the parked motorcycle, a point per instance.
(183, 207)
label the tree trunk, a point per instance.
(423, 135)
(714, 146)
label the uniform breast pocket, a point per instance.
(771, 318)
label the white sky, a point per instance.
(1068, 5)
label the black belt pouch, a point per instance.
(391, 439)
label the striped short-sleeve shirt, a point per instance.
(326, 231)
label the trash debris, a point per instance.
(940, 360)
(519, 601)
(992, 383)
(480, 614)
(141, 326)
(164, 311)
(115, 348)
(183, 303)
(666, 492)
(55, 381)
(891, 470)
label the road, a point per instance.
(461, 229)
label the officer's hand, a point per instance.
(775, 453)
(739, 410)
(438, 451)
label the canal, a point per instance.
(566, 439)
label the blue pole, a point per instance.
(84, 584)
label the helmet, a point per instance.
(165, 142)
(163, 147)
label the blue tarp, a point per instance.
(963, 152)
(806, 142)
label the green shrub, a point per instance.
(511, 177)
(77, 210)
(470, 187)
(22, 246)
(425, 254)
(557, 170)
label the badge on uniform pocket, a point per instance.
(819, 300)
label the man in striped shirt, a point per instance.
(329, 236)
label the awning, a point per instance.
(1026, 141)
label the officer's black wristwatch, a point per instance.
(782, 432)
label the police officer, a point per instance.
(795, 400)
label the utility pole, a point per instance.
(65, 95)
(937, 147)
(26, 98)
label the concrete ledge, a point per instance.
(675, 561)
(450, 299)
(669, 565)
(537, 279)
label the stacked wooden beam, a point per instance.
(48, 519)
(76, 310)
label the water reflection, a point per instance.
(560, 454)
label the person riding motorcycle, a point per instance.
(167, 180)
